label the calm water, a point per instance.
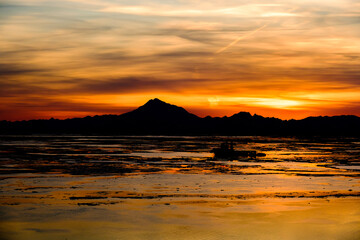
(157, 187)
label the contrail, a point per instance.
(249, 34)
(240, 38)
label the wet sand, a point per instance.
(91, 187)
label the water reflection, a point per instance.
(81, 187)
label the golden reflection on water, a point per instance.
(202, 219)
(95, 188)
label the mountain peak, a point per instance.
(155, 101)
(158, 109)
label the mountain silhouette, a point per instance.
(157, 110)
(160, 118)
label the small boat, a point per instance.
(227, 151)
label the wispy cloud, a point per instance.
(253, 51)
(244, 10)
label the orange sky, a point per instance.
(284, 58)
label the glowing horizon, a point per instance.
(74, 58)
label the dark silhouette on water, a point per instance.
(159, 118)
(227, 151)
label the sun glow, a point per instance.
(213, 58)
(254, 101)
(278, 103)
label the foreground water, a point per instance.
(87, 187)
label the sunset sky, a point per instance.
(281, 58)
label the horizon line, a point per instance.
(225, 116)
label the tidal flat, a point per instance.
(162, 187)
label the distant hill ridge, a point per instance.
(160, 118)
